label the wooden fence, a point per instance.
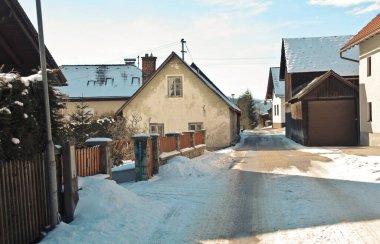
(198, 137)
(168, 144)
(185, 141)
(89, 161)
(24, 210)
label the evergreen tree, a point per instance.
(249, 116)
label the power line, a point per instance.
(188, 51)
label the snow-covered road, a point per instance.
(267, 189)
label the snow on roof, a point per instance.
(320, 54)
(279, 85)
(101, 81)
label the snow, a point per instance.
(140, 212)
(7, 77)
(320, 54)
(127, 165)
(90, 80)
(15, 140)
(18, 103)
(169, 154)
(5, 110)
(98, 139)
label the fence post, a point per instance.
(70, 182)
(192, 139)
(177, 139)
(105, 145)
(58, 163)
(156, 152)
(142, 162)
(204, 136)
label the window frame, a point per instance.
(195, 124)
(369, 66)
(157, 131)
(168, 78)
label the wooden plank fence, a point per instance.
(88, 161)
(24, 210)
(198, 137)
(168, 144)
(185, 141)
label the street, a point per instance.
(267, 201)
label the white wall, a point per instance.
(369, 91)
(280, 118)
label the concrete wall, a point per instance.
(278, 120)
(198, 104)
(369, 87)
(100, 107)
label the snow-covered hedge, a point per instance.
(22, 115)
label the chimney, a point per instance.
(130, 61)
(148, 67)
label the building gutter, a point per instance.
(349, 59)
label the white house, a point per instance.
(276, 93)
(368, 40)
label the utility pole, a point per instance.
(183, 49)
(52, 175)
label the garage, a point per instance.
(332, 123)
(324, 112)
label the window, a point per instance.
(369, 115)
(156, 128)
(196, 126)
(369, 68)
(278, 109)
(175, 86)
(136, 80)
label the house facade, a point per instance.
(179, 97)
(310, 60)
(103, 88)
(276, 94)
(368, 40)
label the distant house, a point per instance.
(319, 85)
(180, 97)
(276, 94)
(368, 40)
(19, 48)
(103, 88)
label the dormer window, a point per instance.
(174, 86)
(135, 80)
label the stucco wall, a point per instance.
(278, 119)
(198, 104)
(369, 87)
(100, 107)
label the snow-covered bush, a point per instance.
(22, 115)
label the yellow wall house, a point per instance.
(178, 97)
(368, 40)
(101, 87)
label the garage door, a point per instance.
(332, 123)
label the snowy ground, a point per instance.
(173, 206)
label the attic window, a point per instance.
(135, 80)
(175, 86)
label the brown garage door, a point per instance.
(332, 123)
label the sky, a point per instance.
(233, 42)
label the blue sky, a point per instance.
(233, 42)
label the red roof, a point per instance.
(371, 29)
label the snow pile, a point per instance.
(184, 167)
(127, 165)
(107, 212)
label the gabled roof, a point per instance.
(196, 71)
(317, 81)
(316, 54)
(275, 84)
(19, 48)
(101, 81)
(371, 29)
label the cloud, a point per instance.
(360, 6)
(251, 7)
